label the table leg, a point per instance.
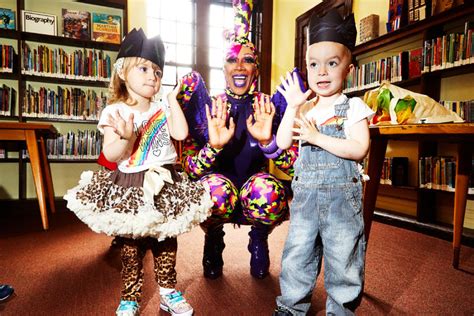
(47, 174)
(378, 147)
(463, 171)
(32, 145)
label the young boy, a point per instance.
(326, 218)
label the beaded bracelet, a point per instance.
(270, 150)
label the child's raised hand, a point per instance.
(306, 131)
(219, 133)
(173, 94)
(122, 128)
(292, 92)
(259, 124)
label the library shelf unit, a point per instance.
(21, 80)
(428, 82)
(429, 137)
(460, 134)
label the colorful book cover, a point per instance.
(7, 19)
(397, 15)
(106, 28)
(415, 65)
(76, 24)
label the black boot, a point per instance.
(212, 261)
(116, 243)
(258, 247)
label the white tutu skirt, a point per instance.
(116, 204)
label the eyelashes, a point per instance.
(245, 60)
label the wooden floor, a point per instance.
(70, 270)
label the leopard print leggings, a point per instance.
(132, 254)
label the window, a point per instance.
(176, 28)
(221, 19)
(196, 45)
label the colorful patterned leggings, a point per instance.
(262, 198)
(132, 254)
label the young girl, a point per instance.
(326, 218)
(145, 201)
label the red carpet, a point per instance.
(69, 270)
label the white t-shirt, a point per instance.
(154, 147)
(358, 110)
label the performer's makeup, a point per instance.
(240, 68)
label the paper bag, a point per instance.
(395, 105)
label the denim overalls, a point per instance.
(326, 221)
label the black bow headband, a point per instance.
(136, 44)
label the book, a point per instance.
(7, 19)
(397, 15)
(6, 58)
(39, 22)
(76, 24)
(418, 10)
(106, 28)
(468, 49)
(399, 171)
(404, 65)
(438, 6)
(415, 64)
(7, 100)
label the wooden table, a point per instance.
(34, 135)
(461, 133)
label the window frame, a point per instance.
(261, 30)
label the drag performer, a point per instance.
(231, 141)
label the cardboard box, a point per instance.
(39, 22)
(369, 28)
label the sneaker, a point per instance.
(5, 291)
(127, 308)
(280, 311)
(175, 304)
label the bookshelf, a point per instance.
(67, 89)
(459, 134)
(430, 82)
(414, 36)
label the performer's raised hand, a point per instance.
(219, 133)
(259, 124)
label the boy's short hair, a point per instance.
(331, 27)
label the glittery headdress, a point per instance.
(331, 27)
(240, 37)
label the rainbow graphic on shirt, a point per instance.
(147, 137)
(335, 120)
